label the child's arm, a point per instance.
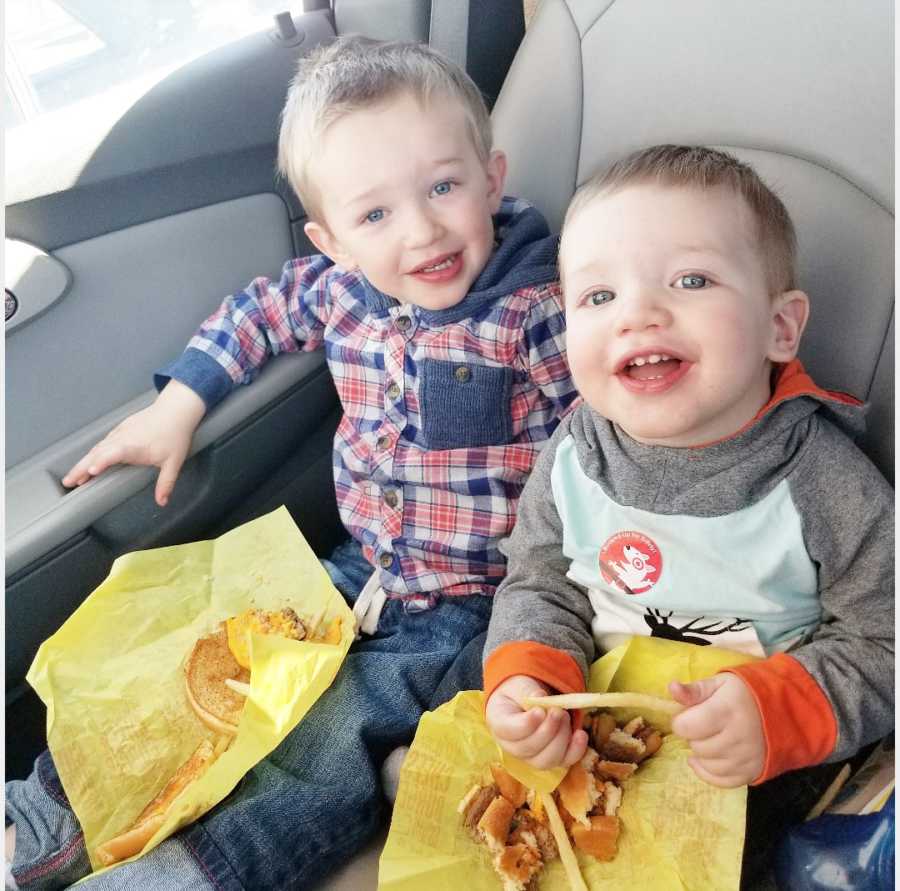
(264, 319)
(542, 738)
(540, 621)
(159, 435)
(826, 699)
(539, 616)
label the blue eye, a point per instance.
(374, 216)
(598, 298)
(692, 281)
(442, 188)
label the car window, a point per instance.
(63, 52)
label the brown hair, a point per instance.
(701, 167)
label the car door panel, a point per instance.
(42, 514)
(159, 279)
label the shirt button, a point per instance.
(393, 391)
(390, 498)
(382, 442)
(403, 323)
(386, 561)
(462, 374)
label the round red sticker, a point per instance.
(631, 561)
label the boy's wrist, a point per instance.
(199, 372)
(546, 665)
(181, 403)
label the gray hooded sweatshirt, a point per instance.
(776, 540)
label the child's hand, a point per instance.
(543, 738)
(723, 726)
(159, 435)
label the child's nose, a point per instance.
(422, 228)
(643, 308)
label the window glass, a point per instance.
(60, 52)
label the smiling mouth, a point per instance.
(437, 267)
(439, 270)
(438, 264)
(652, 367)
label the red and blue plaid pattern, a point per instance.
(429, 520)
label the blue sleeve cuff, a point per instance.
(200, 372)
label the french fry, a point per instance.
(829, 794)
(606, 700)
(238, 686)
(314, 623)
(566, 852)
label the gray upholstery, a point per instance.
(803, 90)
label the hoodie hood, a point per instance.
(792, 382)
(725, 475)
(524, 256)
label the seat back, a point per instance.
(802, 90)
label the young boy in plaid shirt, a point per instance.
(435, 299)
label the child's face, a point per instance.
(405, 197)
(671, 329)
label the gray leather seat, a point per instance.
(801, 89)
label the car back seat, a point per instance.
(802, 90)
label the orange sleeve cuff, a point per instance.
(798, 721)
(556, 669)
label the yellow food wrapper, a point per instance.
(677, 831)
(118, 722)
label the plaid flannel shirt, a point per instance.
(444, 411)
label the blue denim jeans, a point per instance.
(316, 800)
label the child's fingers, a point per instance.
(713, 747)
(533, 745)
(707, 717)
(555, 752)
(697, 723)
(78, 473)
(726, 777)
(696, 692)
(94, 463)
(165, 482)
(543, 736)
(576, 749)
(508, 722)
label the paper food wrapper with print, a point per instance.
(118, 721)
(677, 831)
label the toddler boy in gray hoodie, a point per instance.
(706, 489)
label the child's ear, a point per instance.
(327, 244)
(790, 312)
(496, 176)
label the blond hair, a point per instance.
(700, 167)
(357, 72)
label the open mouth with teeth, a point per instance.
(652, 371)
(439, 269)
(444, 264)
(645, 368)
